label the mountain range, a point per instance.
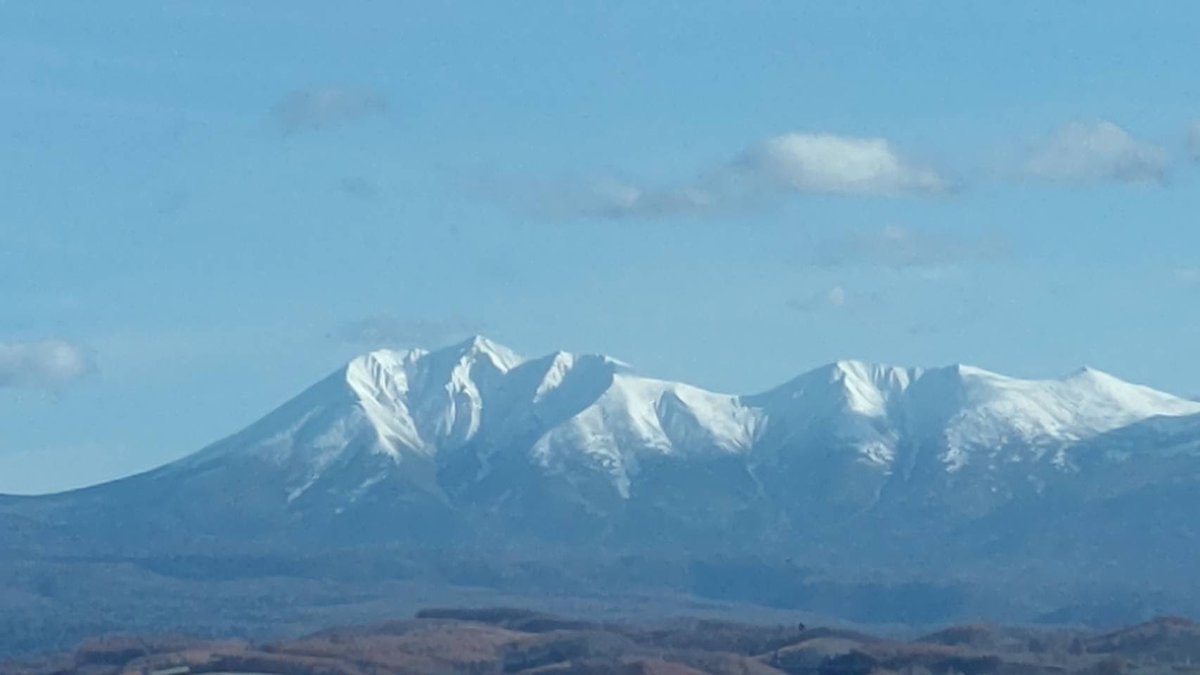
(1051, 491)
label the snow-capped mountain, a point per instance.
(474, 443)
(443, 422)
(859, 471)
(410, 413)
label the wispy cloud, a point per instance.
(389, 330)
(790, 164)
(321, 107)
(1193, 140)
(1188, 276)
(1098, 151)
(359, 188)
(607, 199)
(48, 364)
(832, 298)
(902, 247)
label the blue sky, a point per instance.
(206, 206)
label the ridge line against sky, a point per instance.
(234, 193)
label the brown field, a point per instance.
(518, 641)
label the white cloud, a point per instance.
(1100, 151)
(829, 164)
(795, 163)
(320, 107)
(48, 364)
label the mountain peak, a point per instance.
(862, 377)
(968, 369)
(372, 367)
(476, 346)
(1088, 373)
(866, 370)
(859, 386)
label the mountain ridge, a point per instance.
(564, 409)
(852, 471)
(412, 405)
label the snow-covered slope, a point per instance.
(410, 412)
(474, 437)
(958, 438)
(994, 413)
(972, 414)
